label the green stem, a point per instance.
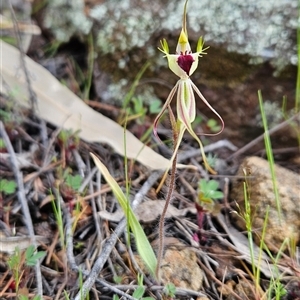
(161, 229)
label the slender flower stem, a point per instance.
(161, 229)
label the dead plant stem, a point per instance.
(161, 229)
(32, 95)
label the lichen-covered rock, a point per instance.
(261, 196)
(128, 32)
(66, 19)
(259, 28)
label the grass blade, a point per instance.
(143, 246)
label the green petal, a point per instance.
(186, 106)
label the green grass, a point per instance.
(59, 220)
(269, 151)
(276, 289)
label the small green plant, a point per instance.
(19, 261)
(32, 257)
(118, 279)
(73, 181)
(135, 108)
(213, 125)
(208, 191)
(207, 194)
(138, 109)
(139, 292)
(59, 220)
(68, 184)
(7, 187)
(68, 141)
(170, 290)
(68, 138)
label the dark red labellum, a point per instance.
(185, 63)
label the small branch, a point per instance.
(209, 148)
(261, 137)
(32, 95)
(24, 204)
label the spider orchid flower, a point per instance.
(183, 64)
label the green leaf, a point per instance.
(212, 185)
(15, 259)
(208, 190)
(170, 290)
(22, 297)
(143, 246)
(139, 292)
(32, 258)
(217, 195)
(117, 279)
(155, 106)
(2, 144)
(211, 123)
(3, 183)
(29, 252)
(11, 187)
(7, 186)
(74, 181)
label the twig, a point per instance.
(32, 95)
(209, 148)
(109, 244)
(154, 288)
(261, 137)
(24, 204)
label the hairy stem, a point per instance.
(161, 229)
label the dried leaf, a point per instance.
(148, 212)
(58, 105)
